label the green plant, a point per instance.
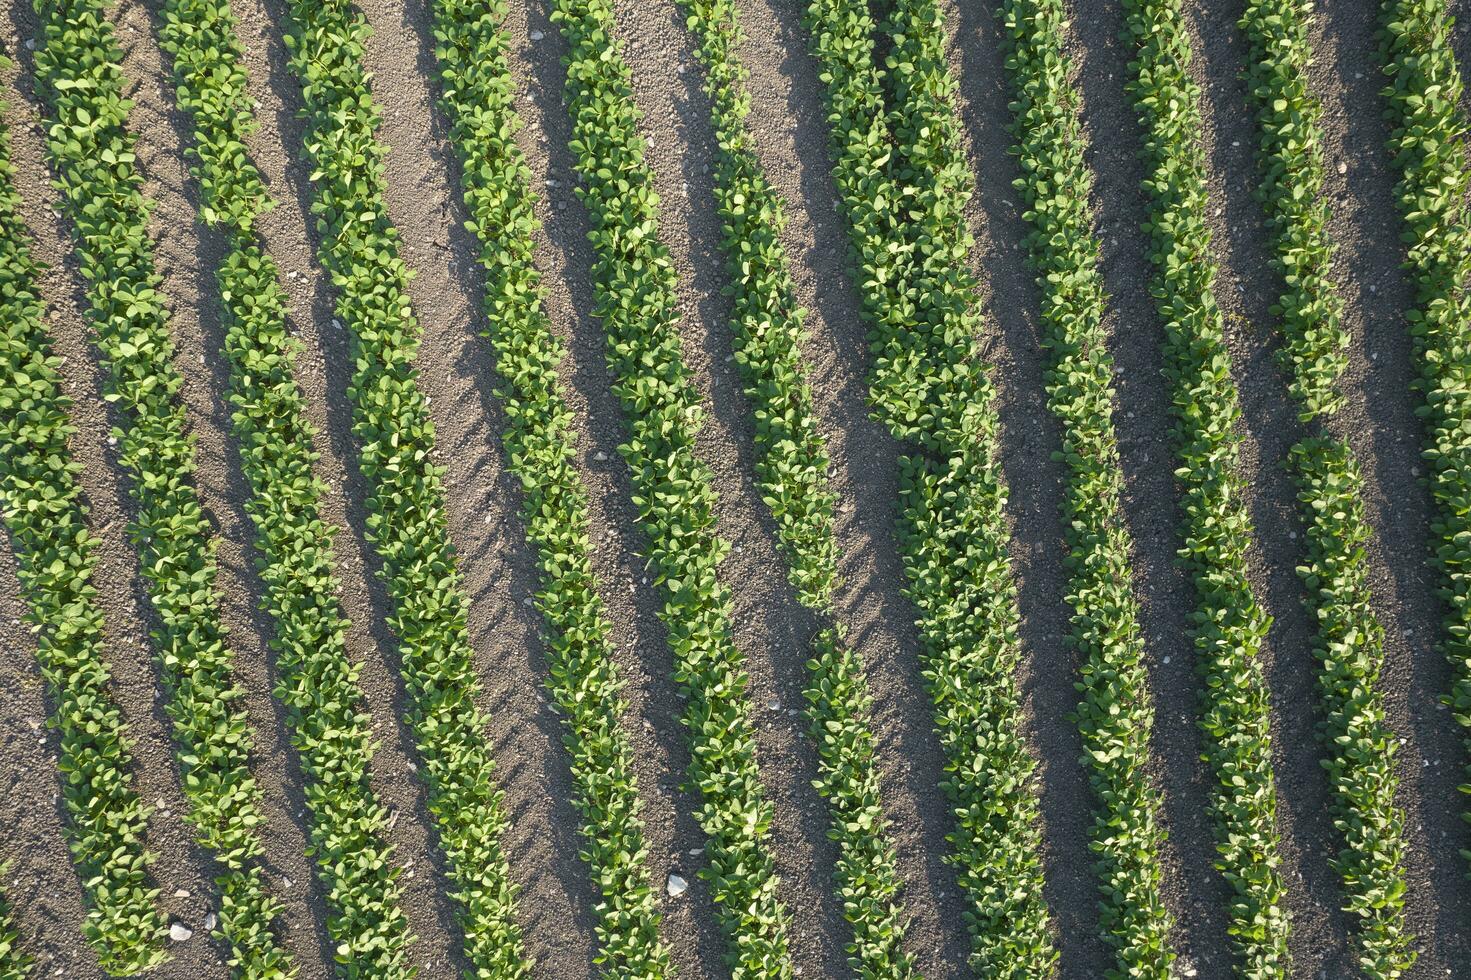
(634, 281)
(14, 964)
(92, 156)
(792, 467)
(1361, 763)
(46, 518)
(902, 196)
(406, 525)
(478, 92)
(317, 681)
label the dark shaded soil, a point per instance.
(457, 372)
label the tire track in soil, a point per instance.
(789, 125)
(181, 865)
(482, 505)
(565, 256)
(1380, 423)
(804, 854)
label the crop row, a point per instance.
(317, 680)
(792, 465)
(46, 519)
(92, 156)
(478, 95)
(634, 281)
(1229, 626)
(1428, 146)
(14, 964)
(1359, 745)
(407, 524)
(1361, 759)
(928, 387)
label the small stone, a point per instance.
(537, 35)
(601, 457)
(774, 704)
(181, 893)
(179, 932)
(1342, 167)
(677, 886)
(211, 921)
(30, 44)
(696, 851)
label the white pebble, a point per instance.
(179, 932)
(677, 886)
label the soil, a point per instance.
(457, 372)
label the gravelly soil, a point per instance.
(458, 374)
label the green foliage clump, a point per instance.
(46, 518)
(478, 94)
(792, 472)
(1291, 151)
(634, 280)
(1361, 762)
(14, 964)
(317, 680)
(101, 189)
(407, 526)
(1360, 746)
(903, 189)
